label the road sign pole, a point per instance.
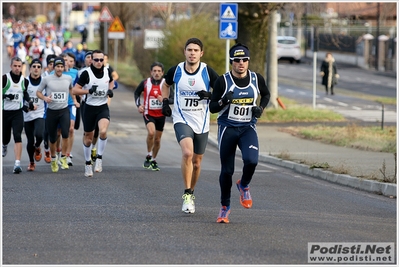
(227, 55)
(116, 55)
(105, 16)
(314, 78)
(106, 37)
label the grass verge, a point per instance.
(352, 135)
(296, 113)
(129, 74)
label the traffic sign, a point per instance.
(153, 38)
(105, 15)
(116, 26)
(116, 29)
(228, 11)
(228, 30)
(228, 21)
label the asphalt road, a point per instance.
(351, 78)
(130, 215)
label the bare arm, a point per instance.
(40, 95)
(165, 90)
(115, 75)
(78, 90)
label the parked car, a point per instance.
(288, 48)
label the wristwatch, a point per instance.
(220, 102)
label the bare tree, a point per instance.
(165, 10)
(253, 30)
(127, 12)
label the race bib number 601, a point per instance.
(240, 113)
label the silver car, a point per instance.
(288, 48)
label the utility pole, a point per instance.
(272, 70)
(376, 38)
(306, 28)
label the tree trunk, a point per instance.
(252, 31)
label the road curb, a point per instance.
(385, 189)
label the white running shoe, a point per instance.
(89, 170)
(99, 165)
(188, 203)
(69, 161)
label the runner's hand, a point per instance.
(166, 110)
(257, 111)
(110, 93)
(9, 97)
(204, 95)
(93, 89)
(227, 98)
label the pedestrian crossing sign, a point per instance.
(229, 11)
(116, 26)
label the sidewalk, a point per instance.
(302, 154)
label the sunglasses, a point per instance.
(98, 59)
(245, 59)
(36, 67)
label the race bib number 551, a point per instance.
(59, 97)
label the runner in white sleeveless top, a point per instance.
(96, 84)
(34, 120)
(14, 96)
(193, 81)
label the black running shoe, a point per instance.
(154, 166)
(147, 162)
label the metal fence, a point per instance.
(348, 40)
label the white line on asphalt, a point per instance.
(328, 99)
(356, 108)
(343, 104)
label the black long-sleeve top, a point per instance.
(220, 87)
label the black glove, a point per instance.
(204, 95)
(9, 96)
(25, 106)
(110, 93)
(166, 110)
(228, 97)
(257, 111)
(93, 89)
(31, 107)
